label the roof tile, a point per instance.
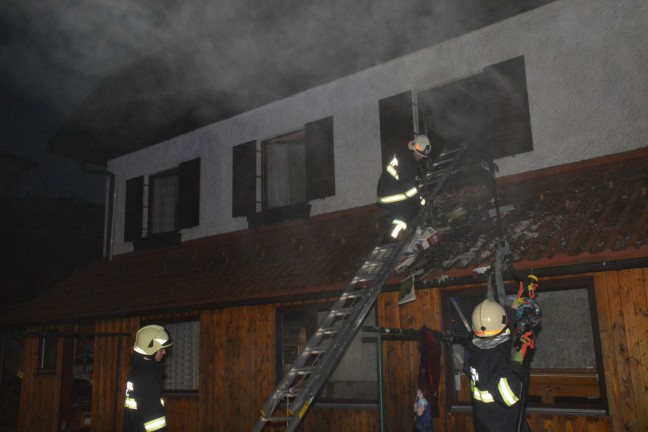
(588, 212)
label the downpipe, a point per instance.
(109, 208)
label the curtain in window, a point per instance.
(286, 182)
(182, 361)
(163, 203)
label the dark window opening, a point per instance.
(489, 111)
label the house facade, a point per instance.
(238, 235)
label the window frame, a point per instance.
(290, 140)
(138, 215)
(249, 179)
(452, 322)
(48, 342)
(153, 218)
(313, 309)
(175, 345)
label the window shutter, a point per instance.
(509, 125)
(396, 123)
(244, 179)
(133, 217)
(320, 162)
(188, 210)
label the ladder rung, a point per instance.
(328, 330)
(341, 312)
(316, 350)
(277, 419)
(290, 393)
(352, 295)
(303, 371)
(451, 152)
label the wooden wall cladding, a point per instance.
(111, 365)
(237, 369)
(401, 356)
(40, 392)
(182, 413)
(237, 366)
(621, 298)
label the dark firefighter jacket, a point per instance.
(397, 185)
(144, 405)
(496, 384)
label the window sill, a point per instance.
(157, 241)
(281, 214)
(592, 412)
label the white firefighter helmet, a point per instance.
(420, 145)
(488, 319)
(150, 339)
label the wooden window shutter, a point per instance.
(244, 179)
(133, 217)
(396, 123)
(320, 162)
(188, 210)
(504, 88)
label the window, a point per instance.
(349, 383)
(159, 205)
(566, 366)
(285, 163)
(275, 179)
(163, 200)
(182, 359)
(489, 110)
(47, 350)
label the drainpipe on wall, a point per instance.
(109, 209)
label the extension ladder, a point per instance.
(317, 362)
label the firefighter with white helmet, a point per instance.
(145, 410)
(495, 379)
(398, 188)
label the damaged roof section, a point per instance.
(590, 212)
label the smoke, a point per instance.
(221, 57)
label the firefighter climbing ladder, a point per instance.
(316, 363)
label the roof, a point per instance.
(591, 212)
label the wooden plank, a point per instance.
(210, 386)
(407, 365)
(617, 300)
(632, 299)
(607, 323)
(640, 300)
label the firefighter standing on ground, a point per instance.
(398, 185)
(496, 379)
(145, 410)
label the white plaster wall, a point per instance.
(586, 63)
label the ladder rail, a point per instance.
(351, 321)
